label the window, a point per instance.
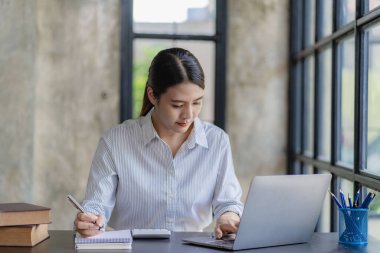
(345, 55)
(372, 35)
(149, 26)
(334, 119)
(325, 88)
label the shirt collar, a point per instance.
(197, 135)
(148, 131)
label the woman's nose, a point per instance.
(187, 112)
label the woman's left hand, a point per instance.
(227, 223)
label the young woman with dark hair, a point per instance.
(166, 169)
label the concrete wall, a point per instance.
(59, 90)
(257, 86)
(17, 79)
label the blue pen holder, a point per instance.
(353, 226)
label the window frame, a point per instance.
(126, 59)
(298, 53)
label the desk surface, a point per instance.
(62, 242)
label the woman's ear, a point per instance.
(151, 97)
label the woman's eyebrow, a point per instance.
(181, 101)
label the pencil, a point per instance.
(335, 199)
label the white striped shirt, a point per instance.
(135, 178)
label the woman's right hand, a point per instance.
(88, 224)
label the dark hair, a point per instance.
(168, 68)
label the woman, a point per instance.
(166, 169)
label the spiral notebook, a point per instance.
(115, 239)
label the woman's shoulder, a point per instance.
(213, 131)
(127, 127)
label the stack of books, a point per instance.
(23, 224)
(116, 239)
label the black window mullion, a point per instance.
(304, 70)
(294, 84)
(361, 96)
(318, 106)
(220, 64)
(360, 130)
(317, 83)
(317, 97)
(334, 119)
(334, 208)
(126, 58)
(304, 111)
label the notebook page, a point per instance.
(114, 236)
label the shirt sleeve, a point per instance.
(102, 183)
(227, 189)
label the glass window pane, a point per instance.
(146, 49)
(309, 22)
(346, 74)
(308, 169)
(370, 5)
(346, 12)
(297, 167)
(297, 29)
(347, 187)
(309, 106)
(374, 214)
(326, 17)
(324, 219)
(373, 130)
(189, 17)
(325, 60)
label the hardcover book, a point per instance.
(27, 235)
(12, 214)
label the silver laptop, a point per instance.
(279, 210)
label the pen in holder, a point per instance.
(353, 226)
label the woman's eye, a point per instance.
(177, 106)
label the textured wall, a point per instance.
(17, 78)
(59, 90)
(257, 86)
(64, 86)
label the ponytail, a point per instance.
(147, 105)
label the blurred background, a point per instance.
(70, 69)
(60, 80)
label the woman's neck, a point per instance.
(173, 139)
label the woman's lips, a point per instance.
(183, 124)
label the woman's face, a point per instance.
(177, 108)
